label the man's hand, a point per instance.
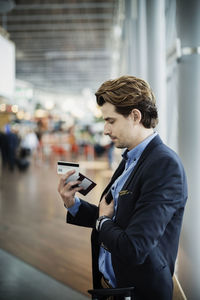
(67, 191)
(106, 209)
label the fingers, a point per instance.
(103, 201)
(68, 186)
(68, 191)
(105, 208)
(64, 178)
(72, 185)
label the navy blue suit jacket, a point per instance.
(143, 239)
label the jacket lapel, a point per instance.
(155, 142)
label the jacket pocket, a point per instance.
(155, 260)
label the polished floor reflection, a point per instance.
(33, 227)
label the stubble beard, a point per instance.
(120, 145)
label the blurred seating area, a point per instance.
(22, 143)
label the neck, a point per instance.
(145, 133)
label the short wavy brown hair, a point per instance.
(127, 93)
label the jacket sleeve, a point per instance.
(161, 195)
(86, 215)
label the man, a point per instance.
(137, 225)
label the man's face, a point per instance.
(123, 131)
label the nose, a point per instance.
(106, 129)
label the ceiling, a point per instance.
(61, 46)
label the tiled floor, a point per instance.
(20, 281)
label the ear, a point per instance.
(136, 115)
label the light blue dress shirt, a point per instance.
(131, 157)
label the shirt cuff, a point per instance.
(74, 209)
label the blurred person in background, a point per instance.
(137, 225)
(29, 142)
(105, 146)
(73, 145)
(28, 149)
(3, 148)
(9, 143)
(111, 154)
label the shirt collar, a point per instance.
(135, 153)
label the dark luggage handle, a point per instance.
(102, 293)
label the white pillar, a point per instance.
(130, 36)
(142, 41)
(188, 26)
(157, 58)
